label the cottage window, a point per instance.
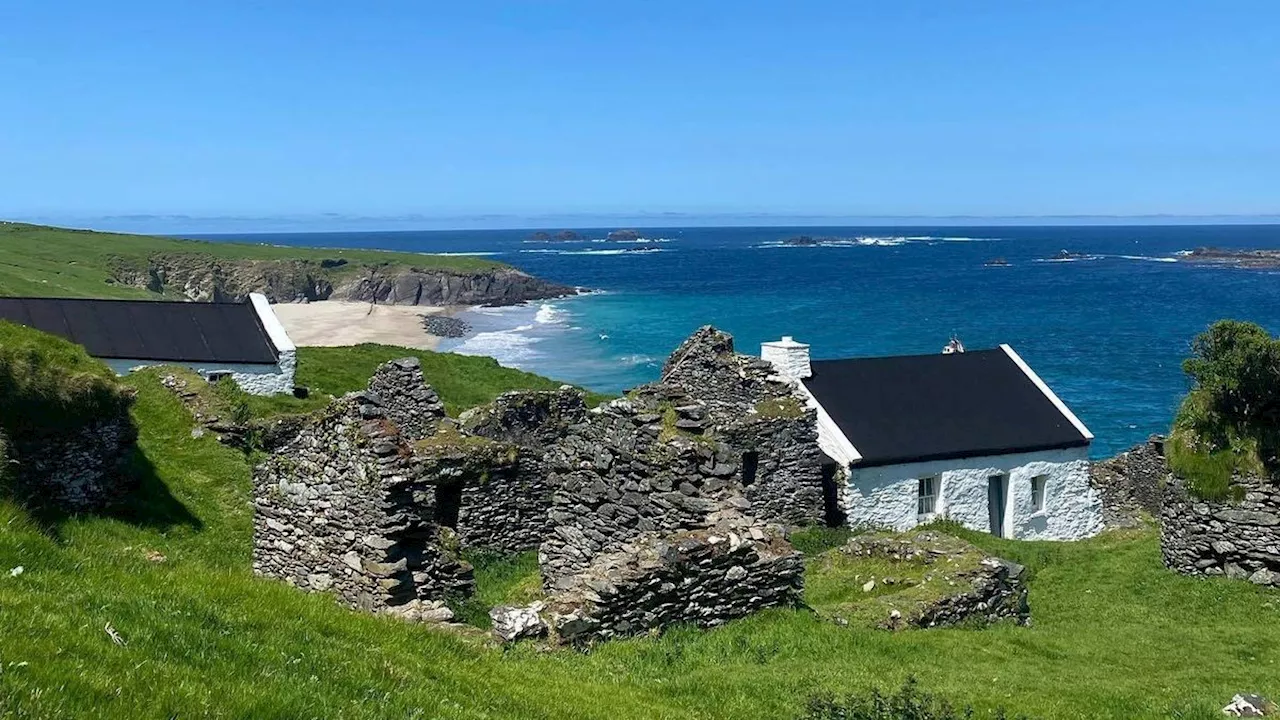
(217, 375)
(927, 496)
(1037, 492)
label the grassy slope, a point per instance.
(1115, 635)
(462, 381)
(58, 262)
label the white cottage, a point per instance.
(973, 436)
(244, 341)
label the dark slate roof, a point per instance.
(186, 332)
(936, 407)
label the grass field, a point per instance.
(57, 262)
(1114, 634)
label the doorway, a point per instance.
(997, 495)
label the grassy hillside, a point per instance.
(1115, 635)
(48, 261)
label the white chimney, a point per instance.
(788, 356)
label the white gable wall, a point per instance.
(254, 379)
(886, 496)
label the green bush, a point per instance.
(909, 703)
(1229, 424)
(50, 386)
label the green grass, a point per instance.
(835, 582)
(500, 580)
(60, 262)
(49, 385)
(462, 381)
(1114, 635)
(1207, 452)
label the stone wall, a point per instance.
(348, 507)
(76, 471)
(407, 401)
(1131, 484)
(762, 418)
(704, 577)
(640, 464)
(1240, 540)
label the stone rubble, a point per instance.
(1131, 484)
(1248, 705)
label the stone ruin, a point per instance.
(74, 471)
(668, 505)
(1239, 539)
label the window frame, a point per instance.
(933, 483)
(1039, 493)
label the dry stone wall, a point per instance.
(640, 464)
(74, 471)
(1240, 540)
(1131, 484)
(347, 507)
(706, 577)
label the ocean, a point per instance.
(1106, 327)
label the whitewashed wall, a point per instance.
(886, 496)
(256, 379)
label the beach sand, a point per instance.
(332, 323)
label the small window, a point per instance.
(927, 496)
(1037, 492)
(750, 462)
(217, 375)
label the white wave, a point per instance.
(1184, 253)
(506, 346)
(1147, 258)
(549, 314)
(638, 360)
(617, 251)
(466, 254)
(839, 243)
(1068, 259)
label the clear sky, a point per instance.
(840, 108)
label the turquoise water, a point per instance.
(1106, 330)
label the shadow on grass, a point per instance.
(147, 503)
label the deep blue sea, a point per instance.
(1107, 330)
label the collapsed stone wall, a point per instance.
(762, 418)
(706, 577)
(75, 471)
(640, 464)
(1240, 540)
(1131, 484)
(347, 507)
(506, 505)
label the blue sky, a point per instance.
(725, 109)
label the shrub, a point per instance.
(909, 703)
(1229, 423)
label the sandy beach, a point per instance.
(333, 323)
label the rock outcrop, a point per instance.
(1238, 539)
(207, 278)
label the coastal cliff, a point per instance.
(201, 277)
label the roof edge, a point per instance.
(1048, 393)
(985, 452)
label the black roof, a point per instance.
(936, 407)
(146, 330)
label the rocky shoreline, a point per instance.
(208, 278)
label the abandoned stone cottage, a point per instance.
(243, 341)
(977, 437)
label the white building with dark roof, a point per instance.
(975, 436)
(243, 341)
